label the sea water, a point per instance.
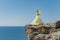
(12, 33)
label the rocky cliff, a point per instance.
(43, 31)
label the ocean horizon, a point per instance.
(12, 33)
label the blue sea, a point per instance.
(12, 33)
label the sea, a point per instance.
(12, 33)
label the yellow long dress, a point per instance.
(37, 19)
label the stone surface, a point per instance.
(58, 23)
(43, 31)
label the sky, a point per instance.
(22, 12)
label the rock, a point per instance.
(34, 30)
(57, 24)
(40, 32)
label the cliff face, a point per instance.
(42, 32)
(57, 23)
